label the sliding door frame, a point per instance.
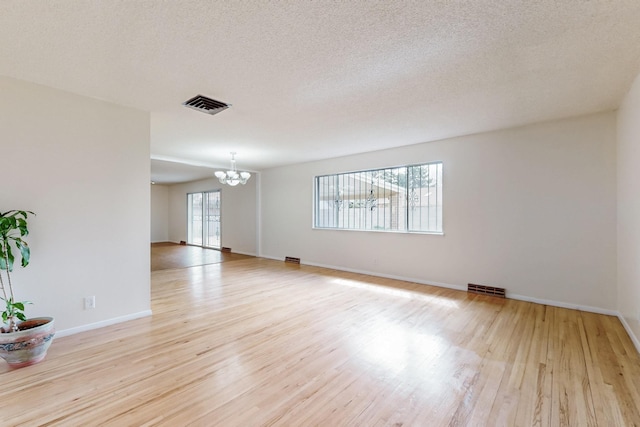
(208, 232)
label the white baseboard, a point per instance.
(245, 253)
(627, 327)
(562, 304)
(102, 324)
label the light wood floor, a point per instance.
(166, 255)
(255, 342)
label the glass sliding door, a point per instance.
(203, 219)
(211, 229)
(194, 219)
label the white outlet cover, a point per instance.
(89, 302)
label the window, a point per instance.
(407, 198)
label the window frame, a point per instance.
(439, 185)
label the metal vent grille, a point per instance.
(292, 260)
(486, 290)
(206, 105)
(225, 249)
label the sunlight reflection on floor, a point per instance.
(397, 349)
(393, 346)
(403, 293)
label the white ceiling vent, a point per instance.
(206, 105)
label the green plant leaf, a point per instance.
(24, 251)
(21, 316)
(13, 226)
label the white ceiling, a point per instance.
(317, 79)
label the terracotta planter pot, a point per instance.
(29, 344)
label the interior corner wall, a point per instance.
(159, 213)
(238, 213)
(82, 166)
(629, 209)
(530, 209)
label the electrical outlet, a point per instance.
(89, 302)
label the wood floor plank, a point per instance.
(254, 342)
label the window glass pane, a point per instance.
(194, 225)
(211, 208)
(425, 197)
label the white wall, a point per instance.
(239, 212)
(82, 166)
(629, 210)
(159, 213)
(530, 209)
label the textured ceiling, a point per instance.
(313, 80)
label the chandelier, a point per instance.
(232, 177)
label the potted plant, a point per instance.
(23, 341)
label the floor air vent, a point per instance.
(486, 290)
(225, 249)
(292, 260)
(206, 105)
